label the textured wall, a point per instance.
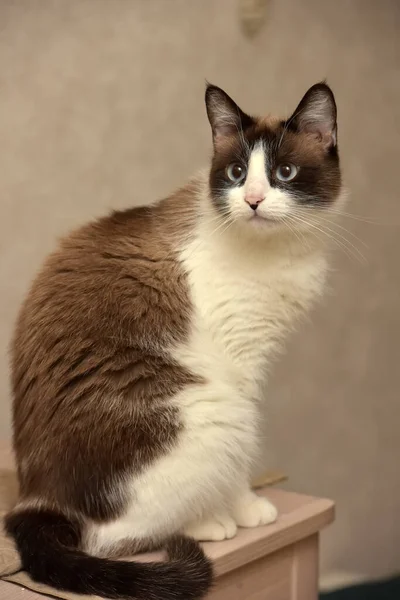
(101, 105)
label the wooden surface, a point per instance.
(281, 558)
(288, 574)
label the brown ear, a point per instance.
(226, 118)
(317, 114)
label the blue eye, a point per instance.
(235, 172)
(286, 172)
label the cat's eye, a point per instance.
(235, 172)
(286, 172)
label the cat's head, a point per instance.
(269, 173)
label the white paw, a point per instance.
(213, 529)
(253, 510)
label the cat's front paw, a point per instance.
(253, 511)
(213, 529)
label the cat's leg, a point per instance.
(212, 529)
(251, 510)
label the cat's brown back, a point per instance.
(91, 372)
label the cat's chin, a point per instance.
(258, 219)
(262, 223)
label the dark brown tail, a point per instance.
(48, 544)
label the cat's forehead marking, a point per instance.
(256, 165)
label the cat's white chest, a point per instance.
(244, 304)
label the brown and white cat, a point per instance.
(139, 353)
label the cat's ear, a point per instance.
(316, 114)
(226, 118)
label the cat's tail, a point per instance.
(48, 544)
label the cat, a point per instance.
(139, 354)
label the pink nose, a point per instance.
(253, 200)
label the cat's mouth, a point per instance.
(257, 218)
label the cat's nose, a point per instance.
(254, 200)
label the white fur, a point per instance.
(256, 184)
(246, 292)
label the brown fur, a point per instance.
(91, 368)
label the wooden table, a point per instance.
(276, 562)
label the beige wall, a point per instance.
(101, 106)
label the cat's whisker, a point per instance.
(221, 229)
(334, 224)
(298, 234)
(351, 252)
(318, 227)
(312, 233)
(223, 220)
(342, 213)
(341, 236)
(321, 220)
(320, 234)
